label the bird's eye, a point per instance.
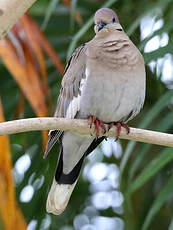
(119, 29)
(113, 20)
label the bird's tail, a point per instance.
(62, 187)
(63, 184)
(58, 197)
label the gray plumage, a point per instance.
(104, 78)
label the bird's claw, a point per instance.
(98, 124)
(92, 119)
(119, 125)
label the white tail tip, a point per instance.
(58, 197)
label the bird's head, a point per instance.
(106, 20)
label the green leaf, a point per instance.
(152, 9)
(163, 126)
(72, 13)
(151, 169)
(154, 55)
(151, 115)
(137, 161)
(165, 29)
(158, 203)
(49, 13)
(171, 225)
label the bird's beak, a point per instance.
(100, 25)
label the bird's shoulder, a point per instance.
(75, 67)
(70, 86)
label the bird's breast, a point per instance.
(114, 89)
(113, 53)
(112, 94)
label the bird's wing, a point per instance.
(69, 98)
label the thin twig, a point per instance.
(10, 12)
(82, 127)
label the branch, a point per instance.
(82, 127)
(10, 12)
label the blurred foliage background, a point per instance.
(124, 185)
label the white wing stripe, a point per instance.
(74, 105)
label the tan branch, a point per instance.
(10, 12)
(82, 127)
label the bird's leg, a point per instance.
(97, 127)
(127, 128)
(119, 125)
(91, 120)
(103, 126)
(98, 124)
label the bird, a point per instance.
(104, 82)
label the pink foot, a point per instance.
(119, 125)
(98, 124)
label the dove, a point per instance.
(104, 82)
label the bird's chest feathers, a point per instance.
(103, 94)
(113, 54)
(114, 85)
